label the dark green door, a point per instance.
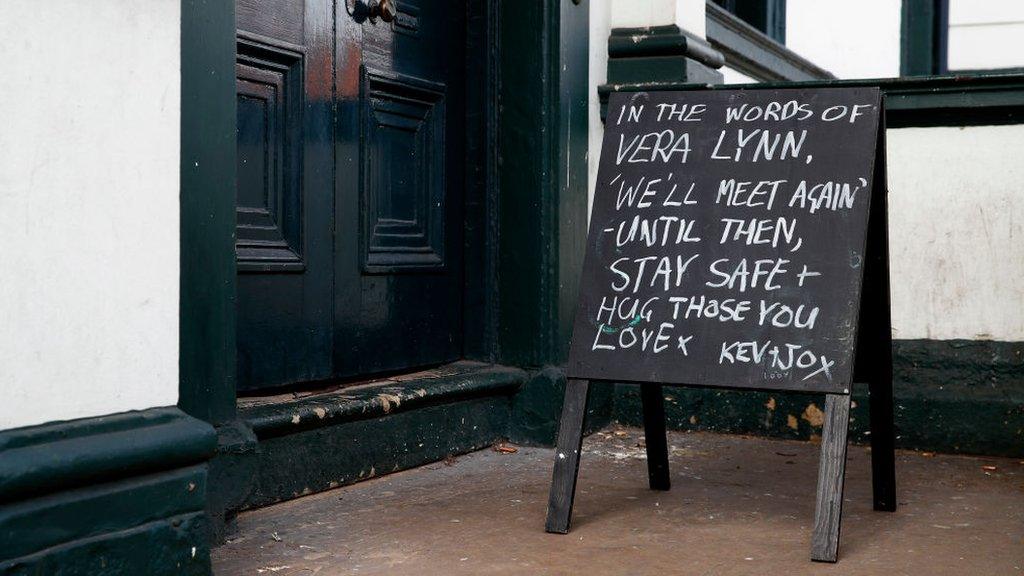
(350, 188)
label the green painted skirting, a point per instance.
(120, 494)
(951, 396)
(34, 525)
(160, 548)
(40, 459)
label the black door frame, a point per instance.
(206, 339)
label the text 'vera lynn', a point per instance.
(673, 146)
(758, 144)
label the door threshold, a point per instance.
(288, 413)
(321, 441)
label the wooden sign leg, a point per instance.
(831, 469)
(655, 438)
(883, 449)
(567, 456)
(876, 322)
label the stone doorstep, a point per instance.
(307, 442)
(283, 414)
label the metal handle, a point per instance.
(383, 9)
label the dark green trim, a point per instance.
(960, 395)
(924, 35)
(931, 101)
(537, 405)
(208, 149)
(207, 337)
(120, 495)
(750, 51)
(282, 415)
(542, 176)
(161, 548)
(542, 129)
(571, 124)
(31, 526)
(1015, 70)
(668, 40)
(955, 100)
(951, 396)
(42, 459)
(661, 54)
(232, 477)
(480, 341)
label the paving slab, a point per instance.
(738, 506)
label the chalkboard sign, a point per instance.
(738, 238)
(727, 239)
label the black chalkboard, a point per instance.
(727, 239)
(739, 239)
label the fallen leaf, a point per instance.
(505, 448)
(989, 468)
(813, 415)
(928, 454)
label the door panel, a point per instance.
(403, 178)
(269, 222)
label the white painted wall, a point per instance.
(731, 76)
(637, 13)
(600, 28)
(849, 39)
(986, 34)
(687, 14)
(88, 207)
(956, 224)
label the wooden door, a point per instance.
(350, 188)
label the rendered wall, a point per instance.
(849, 39)
(88, 208)
(957, 261)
